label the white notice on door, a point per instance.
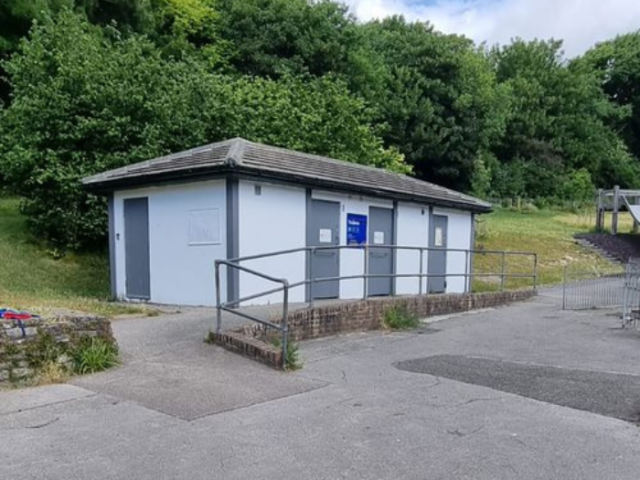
(378, 238)
(325, 235)
(438, 239)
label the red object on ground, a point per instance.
(16, 316)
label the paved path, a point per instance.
(180, 409)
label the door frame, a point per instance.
(392, 251)
(308, 255)
(432, 248)
(128, 295)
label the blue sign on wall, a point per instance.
(356, 229)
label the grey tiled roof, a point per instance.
(248, 158)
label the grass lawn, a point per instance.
(31, 279)
(549, 233)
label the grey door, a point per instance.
(437, 259)
(323, 230)
(380, 259)
(136, 247)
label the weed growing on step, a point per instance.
(292, 359)
(399, 318)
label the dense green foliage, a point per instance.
(86, 99)
(557, 128)
(97, 84)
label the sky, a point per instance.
(580, 23)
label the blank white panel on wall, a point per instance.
(204, 227)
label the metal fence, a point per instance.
(584, 290)
(284, 285)
(631, 301)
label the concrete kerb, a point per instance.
(257, 342)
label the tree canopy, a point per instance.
(96, 84)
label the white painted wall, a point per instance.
(180, 273)
(459, 237)
(274, 220)
(351, 261)
(412, 230)
(183, 273)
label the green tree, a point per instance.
(617, 65)
(184, 28)
(273, 37)
(17, 16)
(86, 99)
(559, 120)
(439, 99)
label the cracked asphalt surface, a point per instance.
(492, 400)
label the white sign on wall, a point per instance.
(204, 227)
(325, 235)
(439, 238)
(378, 238)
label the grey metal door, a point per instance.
(437, 259)
(323, 230)
(136, 247)
(380, 259)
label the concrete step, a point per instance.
(603, 253)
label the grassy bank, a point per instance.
(31, 278)
(548, 233)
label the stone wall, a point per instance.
(255, 340)
(26, 345)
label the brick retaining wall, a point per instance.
(255, 340)
(24, 346)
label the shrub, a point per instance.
(399, 318)
(292, 360)
(579, 186)
(95, 355)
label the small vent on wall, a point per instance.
(257, 189)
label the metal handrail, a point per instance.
(286, 286)
(220, 306)
(376, 275)
(370, 246)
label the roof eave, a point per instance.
(219, 171)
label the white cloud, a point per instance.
(580, 23)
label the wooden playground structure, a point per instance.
(614, 201)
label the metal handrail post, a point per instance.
(564, 288)
(285, 323)
(420, 288)
(312, 252)
(365, 277)
(625, 297)
(218, 299)
(466, 271)
(503, 270)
